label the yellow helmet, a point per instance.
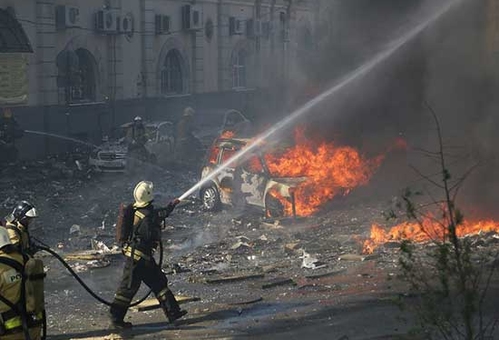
(143, 193)
(7, 113)
(4, 237)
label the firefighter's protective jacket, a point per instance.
(10, 288)
(146, 234)
(136, 136)
(11, 285)
(10, 130)
(19, 236)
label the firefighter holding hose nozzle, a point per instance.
(139, 229)
(21, 294)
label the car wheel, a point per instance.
(273, 207)
(210, 198)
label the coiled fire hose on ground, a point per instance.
(44, 247)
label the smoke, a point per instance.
(452, 66)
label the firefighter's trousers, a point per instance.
(34, 333)
(135, 272)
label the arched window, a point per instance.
(171, 74)
(239, 69)
(76, 78)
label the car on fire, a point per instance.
(111, 155)
(248, 182)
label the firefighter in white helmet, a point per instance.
(17, 321)
(18, 226)
(140, 265)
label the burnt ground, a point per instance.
(349, 295)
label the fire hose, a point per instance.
(44, 247)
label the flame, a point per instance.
(227, 134)
(428, 229)
(286, 204)
(213, 155)
(330, 170)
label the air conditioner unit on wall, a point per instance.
(285, 35)
(254, 28)
(191, 17)
(67, 17)
(106, 21)
(266, 29)
(162, 24)
(126, 25)
(236, 26)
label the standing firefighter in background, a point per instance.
(17, 225)
(9, 132)
(186, 144)
(21, 300)
(141, 231)
(136, 140)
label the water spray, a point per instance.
(60, 137)
(357, 73)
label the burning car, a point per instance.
(111, 155)
(248, 182)
(289, 179)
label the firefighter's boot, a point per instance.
(116, 315)
(170, 306)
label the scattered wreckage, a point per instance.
(111, 155)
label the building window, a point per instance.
(171, 74)
(239, 69)
(76, 78)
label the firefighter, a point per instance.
(186, 144)
(136, 139)
(140, 265)
(9, 132)
(16, 323)
(136, 135)
(17, 225)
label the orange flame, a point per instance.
(428, 229)
(227, 134)
(330, 170)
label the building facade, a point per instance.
(97, 63)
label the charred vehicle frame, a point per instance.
(248, 182)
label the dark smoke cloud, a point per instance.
(451, 66)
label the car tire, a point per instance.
(211, 198)
(273, 207)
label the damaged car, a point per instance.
(248, 182)
(111, 155)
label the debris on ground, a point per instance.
(310, 262)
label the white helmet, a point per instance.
(143, 193)
(4, 237)
(137, 119)
(23, 210)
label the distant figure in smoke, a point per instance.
(187, 146)
(140, 265)
(237, 123)
(136, 139)
(9, 132)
